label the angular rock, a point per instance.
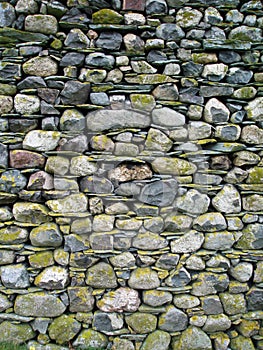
(156, 7)
(149, 241)
(199, 130)
(103, 223)
(12, 181)
(238, 76)
(26, 104)
(210, 222)
(40, 140)
(3, 156)
(254, 299)
(210, 283)
(5, 303)
(40, 66)
(193, 338)
(216, 112)
(17, 333)
(212, 305)
(90, 338)
(212, 16)
(72, 120)
(227, 200)
(13, 235)
(57, 165)
(95, 184)
(101, 275)
(251, 237)
(99, 60)
(77, 58)
(31, 83)
(45, 24)
(141, 322)
(188, 243)
(30, 212)
(70, 327)
(167, 117)
(6, 104)
(219, 240)
(245, 33)
(46, 235)
(173, 320)
(75, 93)
(133, 44)
(76, 39)
(144, 278)
(73, 203)
(169, 31)
(80, 299)
(188, 17)
(107, 322)
(160, 193)
(251, 134)
(242, 271)
(193, 202)
(100, 98)
(254, 109)
(157, 140)
(52, 277)
(215, 72)
(216, 323)
(173, 166)
(81, 166)
(14, 276)
(40, 181)
(122, 299)
(142, 102)
(107, 16)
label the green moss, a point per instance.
(41, 259)
(106, 16)
(255, 176)
(12, 346)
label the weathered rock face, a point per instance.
(131, 172)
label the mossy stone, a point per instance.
(90, 338)
(101, 275)
(241, 343)
(245, 93)
(107, 16)
(142, 102)
(173, 166)
(7, 89)
(63, 329)
(41, 259)
(141, 322)
(157, 340)
(255, 176)
(16, 333)
(31, 213)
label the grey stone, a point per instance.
(9, 70)
(215, 72)
(212, 91)
(101, 275)
(115, 119)
(169, 31)
(72, 58)
(158, 338)
(95, 184)
(73, 203)
(144, 278)
(234, 16)
(97, 59)
(12, 181)
(179, 278)
(242, 271)
(109, 40)
(167, 92)
(3, 156)
(45, 24)
(217, 323)
(156, 298)
(90, 338)
(14, 276)
(175, 222)
(72, 120)
(120, 300)
(76, 39)
(156, 56)
(254, 299)
(5, 303)
(158, 141)
(26, 104)
(99, 98)
(23, 6)
(216, 33)
(107, 322)
(75, 92)
(236, 175)
(228, 57)
(188, 243)
(228, 132)
(210, 222)
(222, 240)
(233, 303)
(167, 117)
(246, 33)
(238, 76)
(173, 320)
(46, 235)
(199, 130)
(188, 17)
(52, 277)
(193, 202)
(5, 214)
(212, 16)
(160, 193)
(78, 144)
(70, 326)
(141, 323)
(193, 338)
(149, 241)
(210, 283)
(156, 7)
(142, 67)
(191, 69)
(251, 237)
(133, 43)
(216, 112)
(227, 200)
(40, 66)
(75, 243)
(254, 109)
(13, 235)
(211, 305)
(7, 14)
(253, 202)
(18, 332)
(31, 83)
(40, 140)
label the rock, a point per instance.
(157, 140)
(246, 33)
(210, 222)
(72, 120)
(30, 212)
(23, 6)
(219, 240)
(40, 66)
(17, 333)
(101, 275)
(115, 119)
(188, 243)
(211, 91)
(160, 193)
(228, 132)
(81, 166)
(141, 322)
(242, 271)
(149, 241)
(103, 223)
(57, 165)
(254, 109)
(227, 200)
(26, 104)
(7, 15)
(172, 320)
(3, 156)
(80, 299)
(122, 344)
(95, 184)
(241, 342)
(81, 226)
(99, 60)
(14, 276)
(246, 93)
(238, 76)
(107, 323)
(144, 278)
(13, 235)
(216, 112)
(39, 304)
(76, 243)
(70, 327)
(216, 323)
(212, 305)
(73, 203)
(173, 166)
(178, 279)
(212, 16)
(255, 175)
(125, 259)
(167, 117)
(175, 222)
(53, 277)
(158, 339)
(191, 69)
(6, 104)
(169, 31)
(156, 298)
(134, 19)
(31, 82)
(142, 67)
(193, 202)
(109, 40)
(188, 17)
(5, 303)
(215, 72)
(40, 140)
(156, 7)
(193, 338)
(251, 134)
(251, 237)
(236, 175)
(166, 92)
(75, 93)
(5, 214)
(99, 98)
(76, 39)
(142, 102)
(68, 58)
(254, 299)
(233, 303)
(199, 130)
(253, 202)
(46, 235)
(210, 283)
(21, 159)
(12, 181)
(120, 300)
(133, 44)
(102, 143)
(107, 16)
(45, 24)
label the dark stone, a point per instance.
(21, 159)
(255, 299)
(212, 91)
(31, 196)
(160, 193)
(220, 163)
(31, 83)
(56, 9)
(191, 98)
(239, 76)
(169, 31)
(12, 181)
(156, 7)
(109, 40)
(49, 95)
(16, 125)
(75, 16)
(9, 71)
(229, 56)
(3, 156)
(99, 60)
(75, 93)
(96, 184)
(47, 108)
(30, 50)
(155, 56)
(76, 144)
(72, 59)
(137, 5)
(192, 69)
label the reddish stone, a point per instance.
(21, 159)
(138, 5)
(48, 95)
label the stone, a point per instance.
(193, 202)
(90, 338)
(142, 102)
(101, 275)
(216, 112)
(6, 104)
(3, 156)
(133, 44)
(156, 7)
(95, 184)
(210, 283)
(254, 299)
(52, 277)
(188, 243)
(158, 141)
(159, 193)
(72, 120)
(246, 33)
(68, 58)
(173, 166)
(215, 72)
(245, 93)
(172, 320)
(46, 235)
(149, 241)
(75, 243)
(158, 339)
(242, 271)
(125, 259)
(122, 344)
(99, 98)
(219, 240)
(99, 60)
(75, 93)
(73, 203)
(76, 39)
(191, 69)
(254, 109)
(26, 104)
(137, 5)
(23, 6)
(178, 278)
(17, 333)
(227, 200)
(216, 323)
(144, 278)
(120, 300)
(255, 175)
(188, 17)
(251, 237)
(141, 322)
(238, 76)
(40, 140)
(13, 235)
(12, 181)
(212, 91)
(81, 226)
(14, 276)
(57, 165)
(167, 117)
(82, 166)
(142, 67)
(211, 305)
(41, 259)
(107, 16)
(109, 40)
(236, 175)
(233, 303)
(107, 323)
(45, 24)
(193, 338)
(199, 130)
(166, 92)
(169, 31)
(5, 214)
(103, 223)
(7, 14)
(253, 202)
(210, 222)
(212, 16)
(70, 327)
(134, 18)
(5, 303)
(241, 342)
(30, 212)
(251, 134)
(40, 66)
(102, 143)
(21, 159)
(175, 222)
(156, 298)
(31, 82)
(228, 132)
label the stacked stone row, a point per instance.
(131, 174)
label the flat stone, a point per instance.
(68, 58)
(156, 298)
(70, 326)
(107, 16)
(160, 193)
(212, 91)
(137, 5)
(215, 72)
(40, 140)
(193, 202)
(173, 166)
(40, 66)
(52, 277)
(192, 69)
(157, 140)
(75, 93)
(45, 24)
(46, 235)
(167, 117)
(82, 166)
(149, 241)
(20, 332)
(173, 320)
(227, 200)
(109, 40)
(122, 344)
(142, 102)
(30, 212)
(217, 323)
(76, 39)
(169, 31)
(101, 275)
(188, 243)
(14, 276)
(142, 67)
(222, 240)
(95, 184)
(253, 202)
(238, 76)
(115, 119)
(73, 203)
(76, 243)
(21, 159)
(26, 104)
(31, 83)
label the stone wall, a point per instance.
(131, 174)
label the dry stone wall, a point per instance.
(131, 174)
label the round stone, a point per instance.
(40, 66)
